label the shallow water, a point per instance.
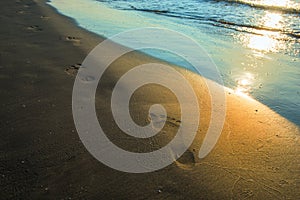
(255, 44)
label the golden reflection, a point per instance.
(272, 3)
(262, 43)
(268, 40)
(280, 3)
(266, 35)
(244, 84)
(273, 20)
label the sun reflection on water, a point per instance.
(244, 84)
(267, 39)
(272, 3)
(262, 43)
(276, 2)
(273, 20)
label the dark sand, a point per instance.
(41, 156)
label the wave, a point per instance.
(219, 22)
(290, 8)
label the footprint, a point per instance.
(71, 38)
(173, 121)
(21, 12)
(44, 17)
(157, 117)
(73, 69)
(187, 161)
(75, 40)
(34, 28)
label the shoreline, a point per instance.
(250, 61)
(43, 157)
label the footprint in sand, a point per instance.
(20, 12)
(187, 161)
(74, 40)
(174, 122)
(73, 69)
(44, 17)
(157, 120)
(34, 28)
(157, 117)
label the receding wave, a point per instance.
(289, 8)
(220, 22)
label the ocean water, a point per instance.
(254, 43)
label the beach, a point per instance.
(42, 157)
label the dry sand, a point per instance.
(257, 156)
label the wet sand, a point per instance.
(42, 157)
